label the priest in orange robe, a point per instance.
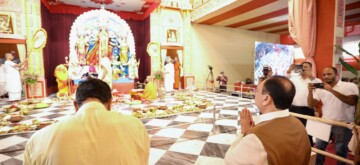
(177, 68)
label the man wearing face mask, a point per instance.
(299, 104)
(275, 136)
(339, 100)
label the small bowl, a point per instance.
(204, 100)
(202, 106)
(136, 109)
(163, 107)
(44, 124)
(27, 107)
(47, 101)
(15, 118)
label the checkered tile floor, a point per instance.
(190, 138)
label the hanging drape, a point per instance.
(302, 27)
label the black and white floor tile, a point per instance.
(192, 138)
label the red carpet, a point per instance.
(330, 161)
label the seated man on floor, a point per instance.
(276, 138)
(150, 91)
(93, 135)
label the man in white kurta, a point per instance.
(2, 79)
(13, 80)
(94, 135)
(169, 76)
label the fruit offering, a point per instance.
(188, 104)
(41, 105)
(10, 108)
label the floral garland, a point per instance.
(30, 78)
(159, 75)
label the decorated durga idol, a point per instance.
(102, 46)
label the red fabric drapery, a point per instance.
(77, 10)
(302, 27)
(58, 28)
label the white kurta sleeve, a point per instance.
(316, 94)
(10, 63)
(246, 150)
(353, 90)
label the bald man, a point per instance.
(13, 80)
(259, 141)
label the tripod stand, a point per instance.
(211, 77)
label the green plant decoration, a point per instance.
(159, 75)
(30, 78)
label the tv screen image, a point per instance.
(277, 56)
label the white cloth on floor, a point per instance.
(13, 85)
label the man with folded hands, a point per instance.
(276, 137)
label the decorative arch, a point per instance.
(92, 21)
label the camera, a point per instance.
(318, 85)
(299, 69)
(266, 71)
(210, 67)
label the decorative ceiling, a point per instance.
(262, 15)
(127, 9)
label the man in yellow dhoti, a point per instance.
(150, 92)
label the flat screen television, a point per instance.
(277, 56)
